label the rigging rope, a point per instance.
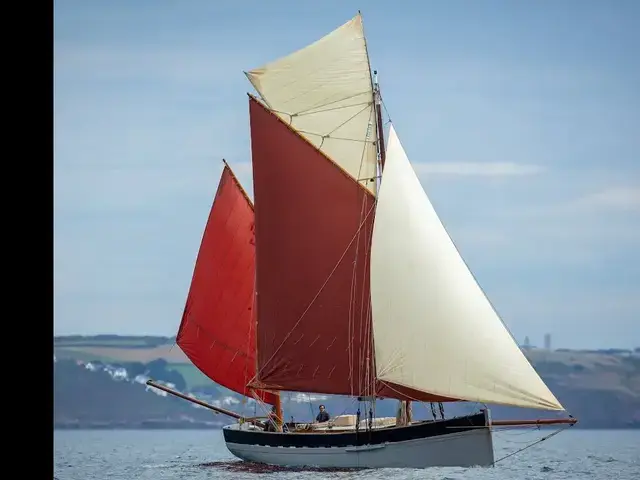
(546, 437)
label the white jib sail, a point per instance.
(324, 92)
(434, 329)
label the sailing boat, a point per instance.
(341, 279)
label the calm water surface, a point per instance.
(164, 454)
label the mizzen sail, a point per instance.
(434, 329)
(324, 92)
(218, 327)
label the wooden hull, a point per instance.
(459, 442)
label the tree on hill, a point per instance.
(135, 368)
(157, 369)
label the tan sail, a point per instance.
(434, 329)
(324, 92)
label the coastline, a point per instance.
(142, 425)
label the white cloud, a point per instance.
(614, 198)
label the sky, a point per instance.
(522, 120)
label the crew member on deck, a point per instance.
(322, 416)
(271, 424)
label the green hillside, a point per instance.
(193, 377)
(602, 388)
(86, 399)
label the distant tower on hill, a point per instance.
(547, 341)
(527, 343)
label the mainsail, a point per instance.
(434, 328)
(313, 225)
(218, 327)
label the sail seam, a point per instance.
(217, 342)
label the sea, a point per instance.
(201, 454)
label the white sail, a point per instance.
(324, 92)
(434, 329)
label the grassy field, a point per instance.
(126, 342)
(171, 353)
(73, 354)
(112, 341)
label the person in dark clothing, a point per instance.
(322, 416)
(272, 419)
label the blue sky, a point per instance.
(521, 118)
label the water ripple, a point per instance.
(200, 455)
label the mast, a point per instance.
(377, 100)
(406, 416)
(278, 407)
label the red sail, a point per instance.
(218, 325)
(313, 233)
